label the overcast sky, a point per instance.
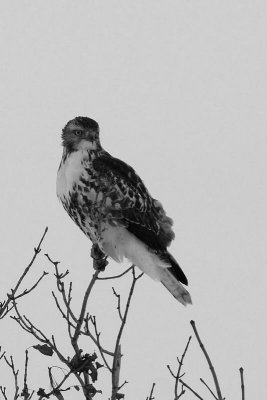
(179, 91)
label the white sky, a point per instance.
(179, 90)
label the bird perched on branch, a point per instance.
(109, 202)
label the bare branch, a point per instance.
(55, 388)
(171, 372)
(151, 392)
(69, 324)
(124, 383)
(61, 286)
(117, 352)
(2, 355)
(115, 276)
(67, 300)
(29, 327)
(119, 302)
(25, 391)
(179, 375)
(181, 393)
(3, 391)
(83, 366)
(15, 375)
(216, 382)
(4, 307)
(116, 368)
(93, 320)
(27, 291)
(82, 313)
(180, 367)
(95, 340)
(60, 309)
(241, 370)
(202, 380)
(191, 390)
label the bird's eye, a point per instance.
(78, 132)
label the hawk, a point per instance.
(110, 203)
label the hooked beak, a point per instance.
(91, 136)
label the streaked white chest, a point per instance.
(70, 172)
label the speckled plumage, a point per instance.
(111, 205)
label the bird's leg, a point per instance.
(99, 258)
(96, 252)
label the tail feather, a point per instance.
(174, 267)
(175, 287)
(176, 270)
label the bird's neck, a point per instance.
(84, 153)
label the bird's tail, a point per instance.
(175, 287)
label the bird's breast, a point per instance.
(70, 171)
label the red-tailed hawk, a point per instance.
(110, 203)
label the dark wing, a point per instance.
(134, 208)
(132, 204)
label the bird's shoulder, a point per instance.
(143, 215)
(106, 164)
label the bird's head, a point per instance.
(81, 133)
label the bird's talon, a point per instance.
(96, 252)
(100, 264)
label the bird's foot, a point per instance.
(96, 252)
(100, 265)
(99, 258)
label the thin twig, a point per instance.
(15, 375)
(216, 382)
(60, 309)
(86, 331)
(2, 355)
(82, 313)
(4, 308)
(151, 393)
(207, 386)
(25, 391)
(3, 391)
(188, 387)
(241, 370)
(124, 383)
(181, 393)
(171, 372)
(61, 286)
(93, 320)
(31, 395)
(180, 367)
(95, 340)
(29, 327)
(117, 352)
(80, 372)
(68, 314)
(27, 291)
(36, 331)
(115, 276)
(179, 375)
(58, 386)
(119, 302)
